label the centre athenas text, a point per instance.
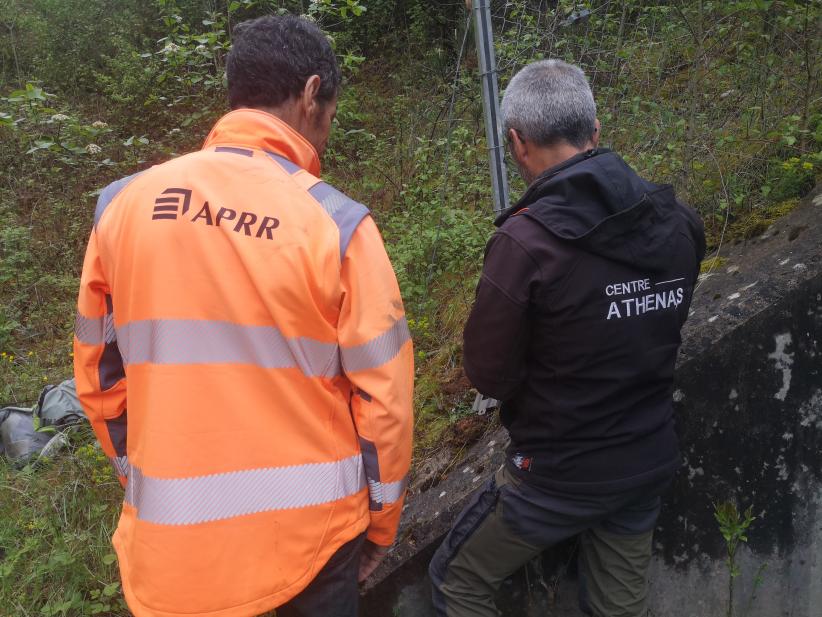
(644, 297)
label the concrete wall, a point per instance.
(748, 400)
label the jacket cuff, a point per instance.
(383, 528)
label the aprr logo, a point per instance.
(175, 202)
(167, 207)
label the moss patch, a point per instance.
(757, 221)
(712, 263)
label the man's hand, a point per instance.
(371, 557)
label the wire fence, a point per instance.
(722, 99)
(689, 91)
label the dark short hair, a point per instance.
(272, 57)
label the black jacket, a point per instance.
(576, 324)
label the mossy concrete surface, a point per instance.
(748, 400)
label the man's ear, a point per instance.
(309, 95)
(519, 147)
(597, 132)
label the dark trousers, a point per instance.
(334, 591)
(510, 522)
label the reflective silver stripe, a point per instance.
(110, 369)
(386, 492)
(120, 464)
(375, 494)
(371, 462)
(378, 350)
(95, 330)
(101, 331)
(188, 501)
(330, 198)
(232, 150)
(194, 341)
(289, 167)
(346, 213)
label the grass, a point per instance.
(26, 366)
(56, 521)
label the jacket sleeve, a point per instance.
(495, 336)
(378, 359)
(98, 366)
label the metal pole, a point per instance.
(493, 127)
(490, 101)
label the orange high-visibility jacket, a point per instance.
(242, 352)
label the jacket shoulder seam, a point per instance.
(491, 282)
(345, 212)
(515, 240)
(115, 188)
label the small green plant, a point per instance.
(734, 525)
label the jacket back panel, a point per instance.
(247, 270)
(601, 355)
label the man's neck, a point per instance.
(546, 158)
(286, 112)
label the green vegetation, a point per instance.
(56, 521)
(722, 99)
(734, 525)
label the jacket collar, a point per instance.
(253, 128)
(532, 192)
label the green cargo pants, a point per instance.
(508, 523)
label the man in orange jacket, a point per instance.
(242, 353)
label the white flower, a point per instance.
(99, 124)
(59, 117)
(171, 48)
(93, 149)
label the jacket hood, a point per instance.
(254, 128)
(595, 200)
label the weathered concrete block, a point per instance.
(748, 400)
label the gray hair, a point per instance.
(550, 101)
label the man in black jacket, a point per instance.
(576, 326)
